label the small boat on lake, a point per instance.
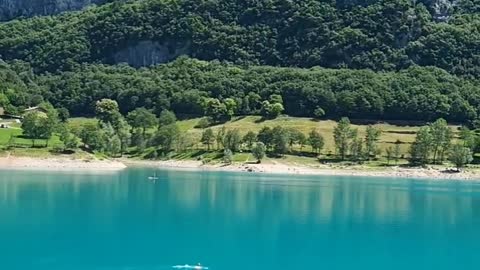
(154, 177)
(194, 267)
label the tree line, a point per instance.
(142, 132)
(190, 87)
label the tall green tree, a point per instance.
(258, 151)
(371, 139)
(280, 138)
(109, 143)
(460, 156)
(139, 140)
(107, 110)
(231, 106)
(265, 135)
(421, 148)
(275, 98)
(48, 124)
(295, 136)
(30, 125)
(69, 140)
(271, 110)
(316, 141)
(208, 138)
(441, 139)
(216, 110)
(318, 113)
(141, 118)
(249, 139)
(343, 134)
(91, 136)
(468, 137)
(184, 142)
(166, 136)
(232, 140)
(123, 131)
(389, 154)
(167, 118)
(38, 126)
(114, 146)
(356, 147)
(220, 137)
(396, 151)
(63, 114)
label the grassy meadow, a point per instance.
(390, 134)
(13, 142)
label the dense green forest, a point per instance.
(386, 59)
(416, 93)
(184, 85)
(384, 35)
(358, 59)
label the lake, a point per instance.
(121, 220)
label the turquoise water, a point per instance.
(235, 221)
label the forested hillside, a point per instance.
(415, 93)
(10, 9)
(381, 35)
(385, 59)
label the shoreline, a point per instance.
(325, 170)
(59, 164)
(66, 163)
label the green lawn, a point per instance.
(12, 139)
(19, 141)
(77, 122)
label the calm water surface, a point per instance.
(235, 221)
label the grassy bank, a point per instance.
(391, 133)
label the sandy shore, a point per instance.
(67, 163)
(280, 168)
(59, 163)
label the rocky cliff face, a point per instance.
(147, 53)
(10, 9)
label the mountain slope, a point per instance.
(384, 35)
(386, 59)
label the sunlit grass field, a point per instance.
(405, 134)
(390, 133)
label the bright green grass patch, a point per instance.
(187, 125)
(242, 157)
(7, 133)
(77, 122)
